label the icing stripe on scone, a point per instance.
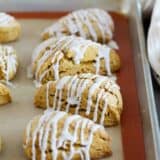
(84, 23)
(74, 98)
(47, 129)
(69, 93)
(5, 19)
(57, 49)
(8, 62)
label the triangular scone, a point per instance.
(95, 24)
(92, 96)
(10, 29)
(8, 62)
(59, 136)
(70, 55)
(5, 96)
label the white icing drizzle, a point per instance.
(79, 25)
(104, 53)
(75, 86)
(59, 87)
(41, 61)
(105, 20)
(76, 21)
(113, 44)
(96, 106)
(41, 122)
(8, 61)
(5, 19)
(75, 44)
(47, 127)
(105, 98)
(28, 130)
(39, 49)
(93, 88)
(68, 93)
(47, 94)
(80, 90)
(55, 49)
(59, 102)
(56, 66)
(53, 122)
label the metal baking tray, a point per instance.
(132, 9)
(145, 86)
(157, 96)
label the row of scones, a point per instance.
(73, 71)
(10, 30)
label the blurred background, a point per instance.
(47, 5)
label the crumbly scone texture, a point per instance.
(8, 62)
(10, 33)
(9, 28)
(58, 135)
(70, 55)
(5, 96)
(95, 24)
(93, 96)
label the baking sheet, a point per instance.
(133, 147)
(15, 116)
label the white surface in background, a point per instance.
(52, 5)
(147, 5)
(154, 39)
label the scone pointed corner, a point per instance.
(5, 96)
(101, 145)
(115, 61)
(45, 36)
(40, 97)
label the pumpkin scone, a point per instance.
(5, 96)
(8, 62)
(59, 136)
(70, 55)
(93, 96)
(10, 29)
(94, 24)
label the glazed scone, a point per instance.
(59, 136)
(92, 96)
(10, 29)
(95, 24)
(70, 55)
(8, 62)
(5, 96)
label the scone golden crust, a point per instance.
(5, 96)
(92, 96)
(95, 24)
(59, 136)
(8, 62)
(70, 55)
(10, 29)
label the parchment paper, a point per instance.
(15, 116)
